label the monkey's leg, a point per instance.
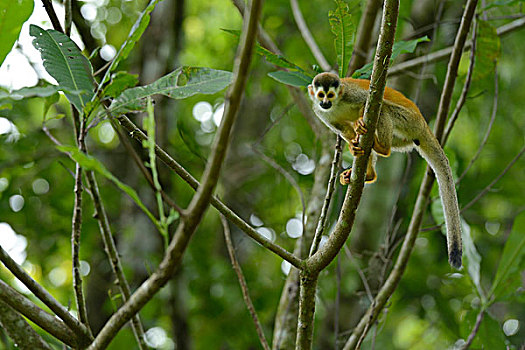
(383, 135)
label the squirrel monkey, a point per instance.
(340, 103)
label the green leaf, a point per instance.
(64, 62)
(278, 60)
(343, 27)
(473, 259)
(28, 92)
(48, 102)
(134, 35)
(508, 276)
(399, 48)
(13, 14)
(179, 84)
(488, 50)
(490, 334)
(120, 82)
(292, 78)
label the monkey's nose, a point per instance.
(325, 104)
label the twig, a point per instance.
(202, 197)
(68, 17)
(321, 222)
(360, 273)
(44, 320)
(308, 37)
(138, 161)
(242, 283)
(489, 127)
(337, 300)
(44, 296)
(393, 279)
(466, 87)
(489, 186)
(48, 5)
(446, 52)
(138, 135)
(475, 330)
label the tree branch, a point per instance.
(202, 197)
(44, 296)
(23, 335)
(335, 242)
(446, 52)
(475, 330)
(44, 320)
(242, 283)
(308, 37)
(393, 279)
(364, 36)
(138, 135)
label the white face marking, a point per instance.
(323, 100)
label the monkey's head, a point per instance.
(325, 90)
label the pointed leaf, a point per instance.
(134, 35)
(179, 84)
(28, 92)
(13, 14)
(64, 62)
(120, 82)
(508, 276)
(400, 47)
(278, 60)
(343, 27)
(291, 78)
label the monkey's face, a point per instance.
(325, 90)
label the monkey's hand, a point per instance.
(360, 127)
(344, 177)
(354, 147)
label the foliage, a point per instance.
(178, 99)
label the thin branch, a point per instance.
(138, 135)
(48, 5)
(44, 296)
(47, 322)
(393, 279)
(466, 87)
(76, 231)
(242, 283)
(360, 273)
(308, 37)
(138, 161)
(202, 197)
(489, 127)
(68, 17)
(22, 334)
(111, 251)
(475, 330)
(489, 186)
(446, 52)
(321, 222)
(335, 242)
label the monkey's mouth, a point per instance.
(325, 105)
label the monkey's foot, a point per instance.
(344, 177)
(360, 127)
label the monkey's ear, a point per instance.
(311, 89)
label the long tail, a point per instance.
(434, 155)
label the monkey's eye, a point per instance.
(330, 95)
(320, 94)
